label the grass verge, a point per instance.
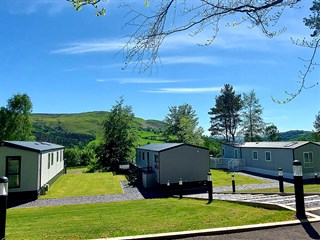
(88, 221)
(86, 184)
(223, 178)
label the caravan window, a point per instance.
(268, 156)
(14, 171)
(255, 155)
(236, 153)
(308, 159)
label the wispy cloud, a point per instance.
(89, 47)
(190, 59)
(51, 7)
(184, 90)
(138, 80)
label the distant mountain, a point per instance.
(295, 135)
(80, 128)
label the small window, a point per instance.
(236, 153)
(222, 152)
(142, 155)
(49, 160)
(255, 155)
(308, 159)
(156, 161)
(57, 156)
(13, 171)
(268, 156)
(61, 156)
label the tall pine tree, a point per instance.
(252, 125)
(226, 113)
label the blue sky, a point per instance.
(69, 62)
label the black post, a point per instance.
(280, 177)
(3, 205)
(209, 184)
(168, 188)
(233, 184)
(298, 189)
(180, 188)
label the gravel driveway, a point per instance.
(129, 193)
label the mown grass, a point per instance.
(86, 184)
(223, 178)
(88, 221)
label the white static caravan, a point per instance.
(30, 167)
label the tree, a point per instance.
(316, 123)
(119, 137)
(272, 133)
(182, 122)
(173, 16)
(252, 124)
(15, 122)
(226, 113)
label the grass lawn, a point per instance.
(74, 184)
(223, 178)
(102, 220)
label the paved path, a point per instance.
(294, 232)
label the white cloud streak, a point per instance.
(138, 80)
(184, 90)
(89, 47)
(190, 59)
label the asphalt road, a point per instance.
(296, 232)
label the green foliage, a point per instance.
(316, 123)
(226, 113)
(15, 122)
(213, 145)
(86, 156)
(57, 134)
(313, 22)
(272, 133)
(252, 124)
(120, 137)
(78, 4)
(182, 123)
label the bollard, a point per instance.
(209, 184)
(298, 189)
(280, 177)
(3, 205)
(180, 188)
(233, 184)
(168, 188)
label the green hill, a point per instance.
(81, 128)
(295, 135)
